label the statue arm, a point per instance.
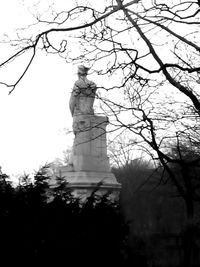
(92, 86)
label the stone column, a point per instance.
(90, 169)
(89, 150)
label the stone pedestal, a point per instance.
(89, 167)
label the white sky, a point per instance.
(34, 116)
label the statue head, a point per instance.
(82, 70)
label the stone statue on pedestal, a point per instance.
(89, 164)
(89, 149)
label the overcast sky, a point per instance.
(34, 116)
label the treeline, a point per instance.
(40, 225)
(159, 233)
(146, 228)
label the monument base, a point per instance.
(84, 183)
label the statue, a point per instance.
(83, 94)
(81, 107)
(88, 166)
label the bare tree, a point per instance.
(122, 150)
(151, 52)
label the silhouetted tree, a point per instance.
(151, 49)
(36, 229)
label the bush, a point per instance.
(37, 231)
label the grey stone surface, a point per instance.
(89, 166)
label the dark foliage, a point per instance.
(159, 234)
(35, 231)
(42, 227)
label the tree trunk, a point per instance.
(188, 236)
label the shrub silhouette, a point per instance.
(36, 231)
